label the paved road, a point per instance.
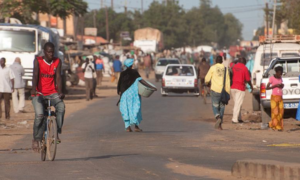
(95, 145)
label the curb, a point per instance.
(266, 169)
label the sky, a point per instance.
(249, 12)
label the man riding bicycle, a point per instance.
(46, 80)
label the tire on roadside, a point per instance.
(265, 114)
(255, 103)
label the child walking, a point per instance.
(277, 110)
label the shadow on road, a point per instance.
(96, 157)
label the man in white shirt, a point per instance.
(6, 87)
(88, 69)
(19, 85)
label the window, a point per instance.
(17, 41)
(180, 71)
(290, 55)
(165, 62)
(266, 58)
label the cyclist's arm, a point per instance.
(35, 77)
(58, 79)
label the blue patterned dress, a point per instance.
(130, 105)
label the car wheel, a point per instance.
(163, 93)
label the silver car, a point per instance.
(161, 65)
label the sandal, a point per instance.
(35, 146)
(138, 130)
(129, 129)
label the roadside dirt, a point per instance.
(247, 135)
(21, 124)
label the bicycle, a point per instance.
(48, 145)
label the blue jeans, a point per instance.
(217, 106)
(39, 109)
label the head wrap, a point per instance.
(128, 62)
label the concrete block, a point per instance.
(266, 169)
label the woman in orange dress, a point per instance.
(277, 110)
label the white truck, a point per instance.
(291, 90)
(282, 47)
(148, 40)
(26, 42)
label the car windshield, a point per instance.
(180, 71)
(164, 62)
(17, 41)
(290, 66)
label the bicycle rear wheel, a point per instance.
(51, 138)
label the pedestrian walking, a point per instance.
(203, 68)
(148, 65)
(117, 68)
(6, 87)
(99, 69)
(215, 76)
(88, 69)
(277, 109)
(240, 76)
(130, 100)
(19, 85)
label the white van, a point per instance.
(264, 54)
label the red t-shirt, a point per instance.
(46, 84)
(240, 76)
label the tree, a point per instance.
(169, 20)
(24, 9)
(233, 30)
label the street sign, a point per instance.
(125, 34)
(90, 31)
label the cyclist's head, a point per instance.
(49, 44)
(49, 50)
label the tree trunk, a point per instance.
(65, 25)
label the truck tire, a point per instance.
(265, 115)
(255, 103)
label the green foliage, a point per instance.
(23, 9)
(198, 26)
(289, 10)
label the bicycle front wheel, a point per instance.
(52, 138)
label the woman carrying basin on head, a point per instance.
(130, 100)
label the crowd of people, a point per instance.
(235, 77)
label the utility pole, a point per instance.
(112, 4)
(95, 26)
(125, 7)
(102, 4)
(267, 18)
(273, 23)
(142, 6)
(107, 28)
